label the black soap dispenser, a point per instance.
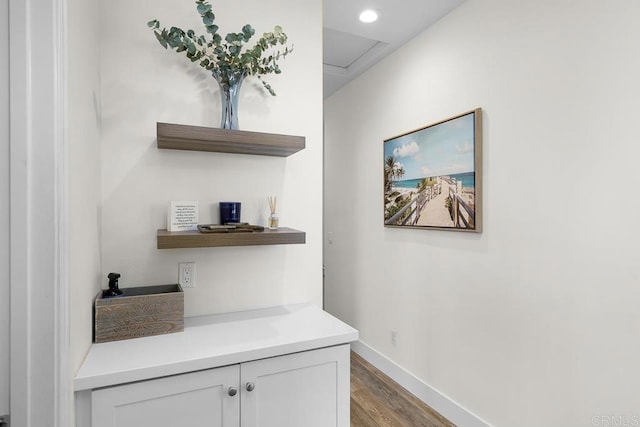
(113, 290)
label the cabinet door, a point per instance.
(309, 389)
(196, 399)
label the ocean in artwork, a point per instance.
(468, 180)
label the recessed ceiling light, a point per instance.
(369, 16)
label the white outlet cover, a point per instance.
(187, 274)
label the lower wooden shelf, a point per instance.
(195, 239)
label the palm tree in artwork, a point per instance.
(392, 170)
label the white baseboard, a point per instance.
(447, 407)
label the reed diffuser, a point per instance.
(273, 218)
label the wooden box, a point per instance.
(139, 312)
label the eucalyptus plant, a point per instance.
(228, 60)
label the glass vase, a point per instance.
(229, 84)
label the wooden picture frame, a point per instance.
(433, 176)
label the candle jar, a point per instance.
(229, 212)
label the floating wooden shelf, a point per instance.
(198, 138)
(195, 239)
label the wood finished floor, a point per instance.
(378, 401)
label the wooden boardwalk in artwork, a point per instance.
(435, 213)
(445, 204)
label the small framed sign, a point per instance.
(182, 216)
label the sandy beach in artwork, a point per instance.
(402, 190)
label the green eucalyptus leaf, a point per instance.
(208, 18)
(203, 8)
(161, 39)
(248, 31)
(176, 31)
(174, 40)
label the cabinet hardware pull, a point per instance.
(233, 391)
(250, 386)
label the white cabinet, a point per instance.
(308, 389)
(289, 366)
(198, 399)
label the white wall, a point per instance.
(143, 84)
(4, 207)
(83, 173)
(534, 321)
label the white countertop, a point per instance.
(213, 341)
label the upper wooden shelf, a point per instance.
(198, 138)
(195, 239)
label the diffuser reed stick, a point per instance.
(273, 218)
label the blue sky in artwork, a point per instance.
(443, 149)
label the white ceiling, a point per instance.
(351, 47)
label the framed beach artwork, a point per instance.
(433, 176)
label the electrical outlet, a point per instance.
(187, 274)
(394, 338)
